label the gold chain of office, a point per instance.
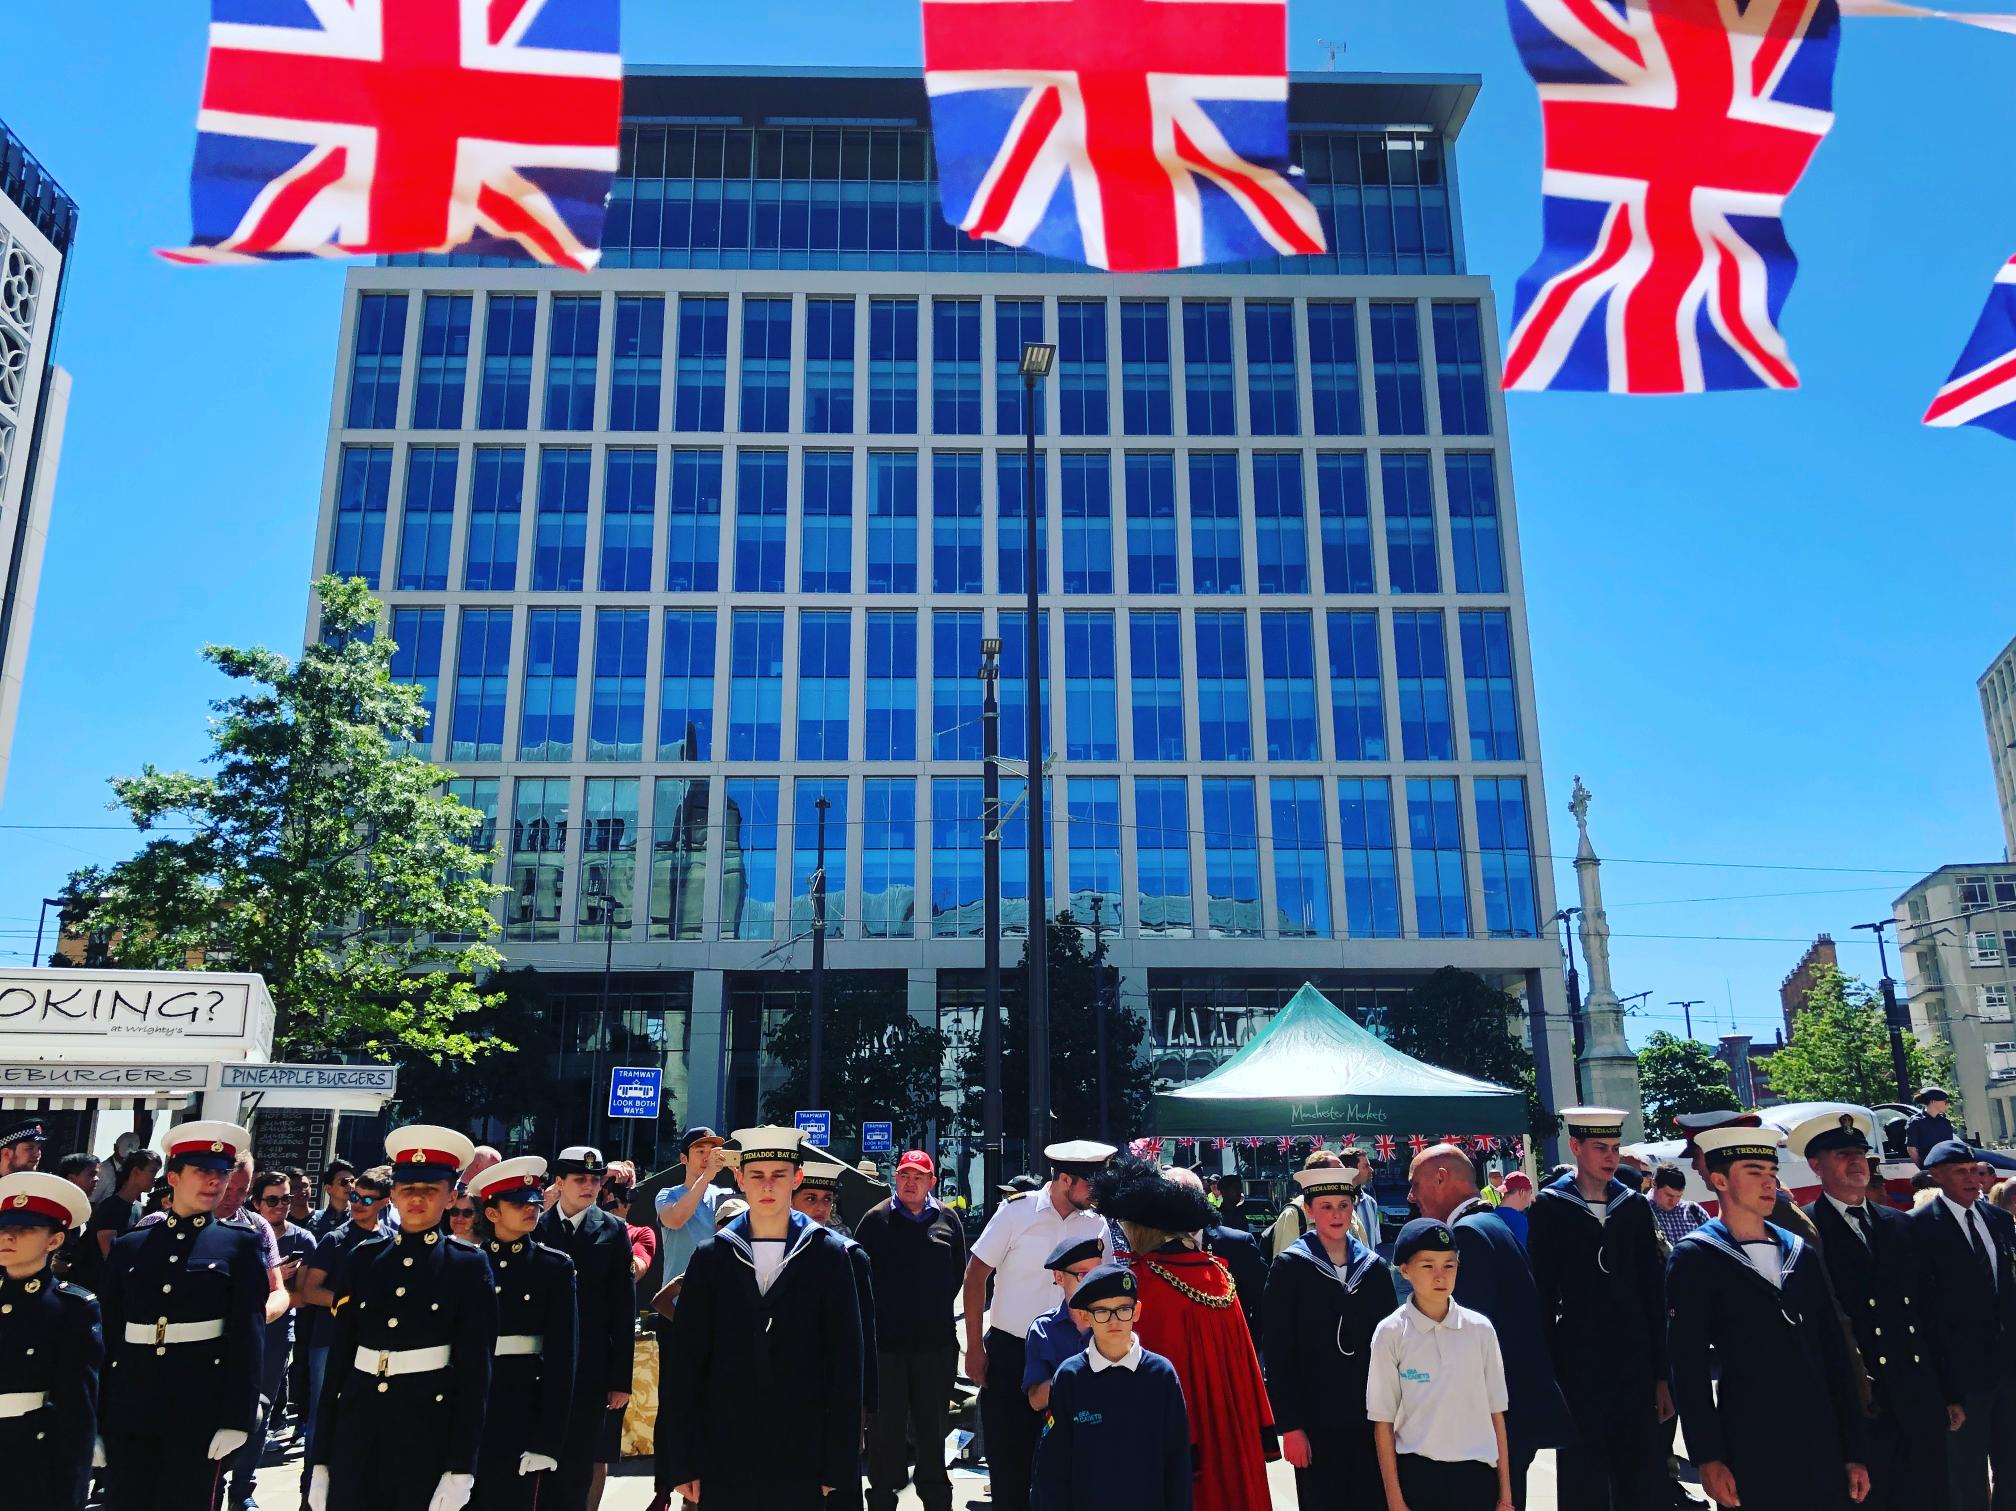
(1184, 1288)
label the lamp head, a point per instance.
(1038, 357)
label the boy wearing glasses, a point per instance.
(1117, 1432)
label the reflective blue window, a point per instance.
(376, 360)
(827, 530)
(357, 548)
(1214, 522)
(1151, 522)
(573, 337)
(824, 652)
(1162, 856)
(538, 858)
(552, 672)
(1144, 366)
(1281, 540)
(608, 859)
(766, 365)
(892, 368)
(444, 362)
(956, 693)
(1411, 562)
(1156, 663)
(888, 857)
(892, 521)
(482, 682)
(1421, 671)
(1435, 834)
(958, 904)
(428, 520)
(629, 499)
(1357, 707)
(1271, 391)
(749, 858)
(807, 793)
(693, 536)
(1231, 858)
(1333, 368)
(955, 522)
(1088, 522)
(1473, 523)
(755, 684)
(829, 366)
(891, 709)
(955, 366)
(1092, 828)
(1013, 692)
(1459, 370)
(1301, 858)
(506, 397)
(1371, 871)
(1288, 673)
(1396, 369)
(1207, 367)
(560, 531)
(1344, 513)
(637, 371)
(1090, 730)
(496, 502)
(686, 687)
(1015, 856)
(1505, 849)
(416, 661)
(1224, 706)
(699, 399)
(616, 701)
(1011, 544)
(1081, 366)
(1016, 323)
(1489, 693)
(762, 486)
(679, 858)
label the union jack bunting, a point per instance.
(1128, 134)
(337, 127)
(1416, 1142)
(1382, 1145)
(1675, 131)
(1982, 390)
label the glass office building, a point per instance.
(680, 549)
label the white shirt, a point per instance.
(1764, 1259)
(1014, 1244)
(1849, 1216)
(577, 1219)
(1368, 1214)
(1100, 1363)
(1972, 1222)
(768, 1254)
(1437, 1383)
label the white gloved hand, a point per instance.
(318, 1489)
(536, 1463)
(98, 1454)
(453, 1493)
(226, 1441)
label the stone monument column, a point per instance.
(1609, 1071)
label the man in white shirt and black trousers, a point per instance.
(605, 1297)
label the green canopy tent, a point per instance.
(1312, 1071)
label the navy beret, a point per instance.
(1424, 1235)
(1950, 1152)
(1110, 1282)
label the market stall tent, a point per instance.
(1313, 1071)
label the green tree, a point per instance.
(1462, 1023)
(1678, 1075)
(1840, 1049)
(880, 1063)
(319, 853)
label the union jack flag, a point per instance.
(334, 127)
(1675, 131)
(1982, 390)
(1383, 1146)
(1416, 1142)
(1128, 134)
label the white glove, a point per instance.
(318, 1488)
(536, 1463)
(453, 1493)
(226, 1441)
(98, 1454)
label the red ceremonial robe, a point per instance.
(1190, 1315)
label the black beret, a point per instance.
(1110, 1282)
(1423, 1235)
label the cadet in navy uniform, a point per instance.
(1116, 1433)
(532, 1378)
(1598, 1269)
(759, 1399)
(605, 1303)
(50, 1348)
(1879, 1279)
(1056, 1336)
(817, 1195)
(184, 1304)
(1326, 1294)
(1929, 1127)
(411, 1339)
(1970, 1249)
(1749, 1304)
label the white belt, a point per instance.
(21, 1402)
(520, 1343)
(403, 1361)
(159, 1333)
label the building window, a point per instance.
(892, 686)
(1231, 858)
(1344, 515)
(1156, 662)
(1281, 546)
(1396, 369)
(496, 501)
(762, 492)
(1357, 708)
(1489, 692)
(376, 360)
(416, 661)
(629, 500)
(955, 522)
(1207, 367)
(1224, 707)
(1435, 834)
(604, 906)
(505, 401)
(1411, 563)
(552, 671)
(957, 900)
(1459, 370)
(1333, 368)
(766, 365)
(1151, 522)
(749, 858)
(806, 794)
(1088, 522)
(1271, 393)
(1081, 366)
(480, 793)
(1011, 544)
(699, 399)
(892, 521)
(482, 681)
(1090, 733)
(1421, 668)
(892, 370)
(826, 530)
(1301, 858)
(538, 858)
(755, 684)
(1214, 523)
(1473, 523)
(1017, 322)
(686, 687)
(363, 487)
(1986, 949)
(829, 366)
(1144, 366)
(888, 857)
(956, 691)
(693, 533)
(1288, 670)
(429, 519)
(560, 531)
(1371, 875)
(444, 362)
(573, 337)
(1092, 818)
(1992, 1003)
(678, 858)
(637, 374)
(824, 646)
(955, 366)
(1162, 856)
(1505, 848)
(1015, 856)
(616, 705)
(1013, 691)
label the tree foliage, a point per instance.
(880, 1063)
(318, 853)
(1459, 1021)
(1678, 1075)
(1840, 1048)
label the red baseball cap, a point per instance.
(916, 1159)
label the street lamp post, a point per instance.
(605, 906)
(1566, 918)
(990, 852)
(1687, 1010)
(1037, 359)
(1894, 1016)
(816, 1057)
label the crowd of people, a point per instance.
(453, 1328)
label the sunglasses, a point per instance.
(273, 1201)
(364, 1198)
(461, 1211)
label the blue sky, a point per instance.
(1756, 619)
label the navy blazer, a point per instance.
(1977, 1327)
(1493, 1277)
(1885, 1291)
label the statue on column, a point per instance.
(1609, 1069)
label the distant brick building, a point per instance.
(1792, 992)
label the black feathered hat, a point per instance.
(1135, 1190)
